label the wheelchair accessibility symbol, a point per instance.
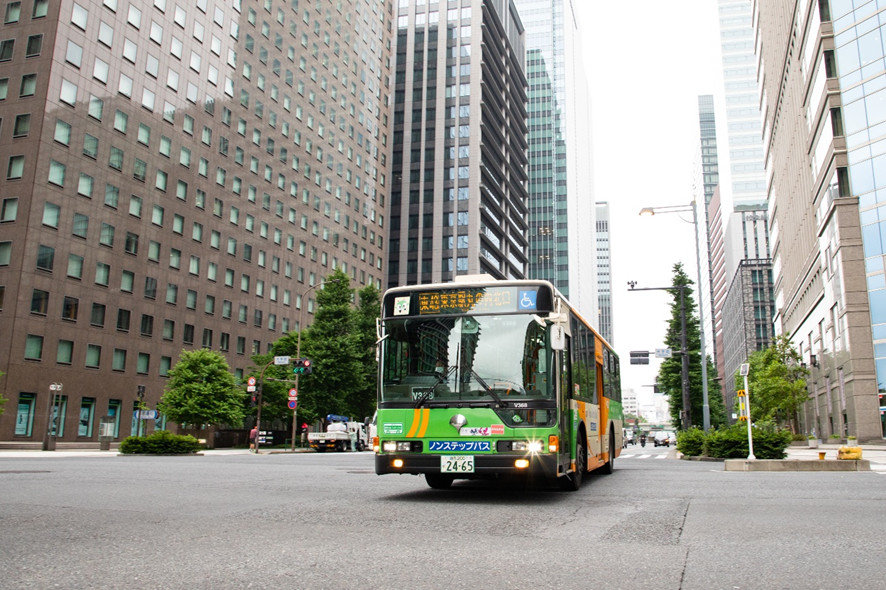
(527, 300)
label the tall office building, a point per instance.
(178, 176)
(717, 258)
(820, 63)
(748, 306)
(710, 179)
(561, 198)
(604, 272)
(742, 98)
(459, 191)
(746, 241)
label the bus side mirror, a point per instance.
(558, 337)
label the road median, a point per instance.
(796, 465)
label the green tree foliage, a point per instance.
(362, 402)
(670, 372)
(329, 343)
(777, 382)
(275, 394)
(201, 390)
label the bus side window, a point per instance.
(566, 370)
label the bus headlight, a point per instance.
(397, 463)
(389, 446)
(393, 446)
(527, 446)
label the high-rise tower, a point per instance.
(176, 178)
(561, 198)
(459, 191)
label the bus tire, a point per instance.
(610, 464)
(571, 482)
(439, 481)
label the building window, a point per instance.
(123, 316)
(118, 363)
(22, 125)
(65, 352)
(75, 266)
(97, 317)
(70, 308)
(147, 325)
(87, 412)
(102, 274)
(24, 417)
(39, 302)
(93, 356)
(16, 167)
(45, 257)
(9, 209)
(35, 45)
(34, 347)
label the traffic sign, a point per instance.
(293, 404)
(281, 360)
(293, 392)
(250, 381)
(250, 388)
(663, 353)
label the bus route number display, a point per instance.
(467, 300)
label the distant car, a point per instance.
(672, 438)
(629, 438)
(662, 439)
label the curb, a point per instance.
(796, 465)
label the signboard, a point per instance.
(293, 404)
(147, 414)
(281, 360)
(663, 353)
(526, 298)
(250, 388)
(293, 392)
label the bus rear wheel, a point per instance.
(438, 481)
(610, 464)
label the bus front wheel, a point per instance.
(438, 481)
(572, 481)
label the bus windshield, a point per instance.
(484, 358)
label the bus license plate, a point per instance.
(456, 464)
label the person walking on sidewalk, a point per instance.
(253, 434)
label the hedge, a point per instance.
(161, 442)
(731, 442)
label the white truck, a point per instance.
(341, 435)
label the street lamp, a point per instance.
(705, 408)
(684, 365)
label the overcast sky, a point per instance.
(648, 61)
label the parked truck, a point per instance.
(341, 435)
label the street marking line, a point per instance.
(661, 457)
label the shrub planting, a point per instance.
(691, 442)
(161, 442)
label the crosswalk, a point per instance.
(642, 456)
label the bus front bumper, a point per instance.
(541, 465)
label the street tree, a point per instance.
(670, 376)
(329, 343)
(202, 391)
(362, 402)
(777, 381)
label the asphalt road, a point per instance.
(327, 521)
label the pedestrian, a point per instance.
(253, 434)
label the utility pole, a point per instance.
(686, 415)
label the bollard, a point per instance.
(821, 455)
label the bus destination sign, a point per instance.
(470, 300)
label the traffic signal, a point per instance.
(302, 366)
(639, 357)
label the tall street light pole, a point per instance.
(705, 408)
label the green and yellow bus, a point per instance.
(487, 378)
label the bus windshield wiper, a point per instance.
(488, 389)
(441, 378)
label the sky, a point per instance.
(648, 61)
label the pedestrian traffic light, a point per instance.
(302, 366)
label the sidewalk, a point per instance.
(876, 454)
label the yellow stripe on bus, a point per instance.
(425, 420)
(416, 414)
